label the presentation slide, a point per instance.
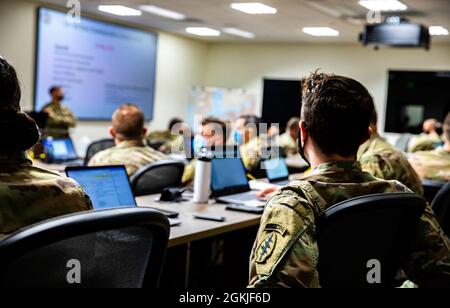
(100, 65)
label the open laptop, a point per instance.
(277, 171)
(61, 150)
(229, 183)
(108, 187)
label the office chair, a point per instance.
(96, 147)
(403, 142)
(375, 227)
(441, 207)
(431, 189)
(155, 177)
(120, 248)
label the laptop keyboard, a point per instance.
(248, 196)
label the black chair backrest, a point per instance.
(96, 147)
(441, 207)
(121, 248)
(155, 177)
(376, 227)
(431, 189)
(403, 142)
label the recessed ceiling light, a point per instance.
(254, 8)
(438, 30)
(162, 12)
(202, 31)
(119, 10)
(383, 5)
(320, 31)
(238, 32)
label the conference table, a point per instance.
(192, 229)
(184, 238)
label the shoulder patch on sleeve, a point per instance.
(284, 220)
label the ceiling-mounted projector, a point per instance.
(396, 32)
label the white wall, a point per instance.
(180, 65)
(245, 65)
(184, 62)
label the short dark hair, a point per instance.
(173, 122)
(216, 121)
(128, 121)
(446, 127)
(10, 92)
(53, 89)
(337, 111)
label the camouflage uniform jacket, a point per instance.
(285, 253)
(432, 165)
(384, 161)
(60, 119)
(29, 195)
(132, 154)
(375, 143)
(251, 151)
(424, 142)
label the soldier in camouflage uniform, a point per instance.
(336, 114)
(253, 142)
(168, 138)
(288, 140)
(60, 118)
(386, 162)
(128, 132)
(215, 133)
(428, 140)
(434, 165)
(27, 194)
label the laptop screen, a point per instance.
(276, 169)
(60, 149)
(108, 187)
(228, 173)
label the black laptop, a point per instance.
(62, 151)
(277, 171)
(229, 183)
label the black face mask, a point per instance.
(301, 148)
(61, 97)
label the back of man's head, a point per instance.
(446, 128)
(337, 112)
(128, 122)
(429, 125)
(9, 87)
